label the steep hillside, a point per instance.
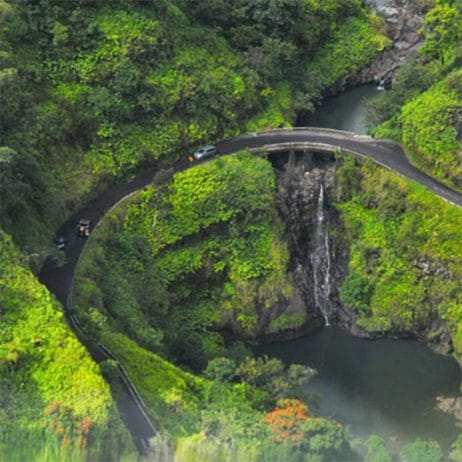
(432, 128)
(175, 276)
(423, 109)
(404, 271)
(92, 91)
(195, 257)
(53, 398)
(197, 260)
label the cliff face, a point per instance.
(402, 21)
(306, 190)
(356, 260)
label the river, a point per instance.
(387, 387)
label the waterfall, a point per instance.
(320, 260)
(381, 85)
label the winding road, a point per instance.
(59, 280)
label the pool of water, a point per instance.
(346, 111)
(387, 387)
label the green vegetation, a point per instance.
(416, 451)
(456, 452)
(53, 398)
(430, 124)
(423, 109)
(195, 256)
(92, 91)
(354, 45)
(405, 247)
(419, 450)
(224, 415)
(376, 451)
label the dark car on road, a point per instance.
(60, 243)
(84, 227)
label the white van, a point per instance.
(204, 152)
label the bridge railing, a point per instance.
(333, 131)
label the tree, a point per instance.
(285, 422)
(421, 451)
(220, 369)
(20, 180)
(456, 449)
(290, 424)
(376, 451)
(443, 33)
(270, 375)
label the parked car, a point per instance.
(204, 152)
(84, 227)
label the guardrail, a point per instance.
(312, 145)
(104, 351)
(320, 130)
(332, 148)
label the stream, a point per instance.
(387, 387)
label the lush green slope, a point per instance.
(52, 395)
(92, 90)
(194, 257)
(405, 247)
(156, 282)
(423, 108)
(404, 270)
(237, 412)
(431, 125)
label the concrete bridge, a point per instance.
(385, 153)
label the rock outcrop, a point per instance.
(306, 187)
(451, 405)
(403, 20)
(320, 253)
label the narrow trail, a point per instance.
(59, 280)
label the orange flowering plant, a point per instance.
(70, 429)
(285, 422)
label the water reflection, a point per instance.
(346, 111)
(385, 386)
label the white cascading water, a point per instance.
(320, 261)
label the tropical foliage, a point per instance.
(193, 256)
(92, 91)
(431, 123)
(405, 247)
(51, 392)
(423, 108)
